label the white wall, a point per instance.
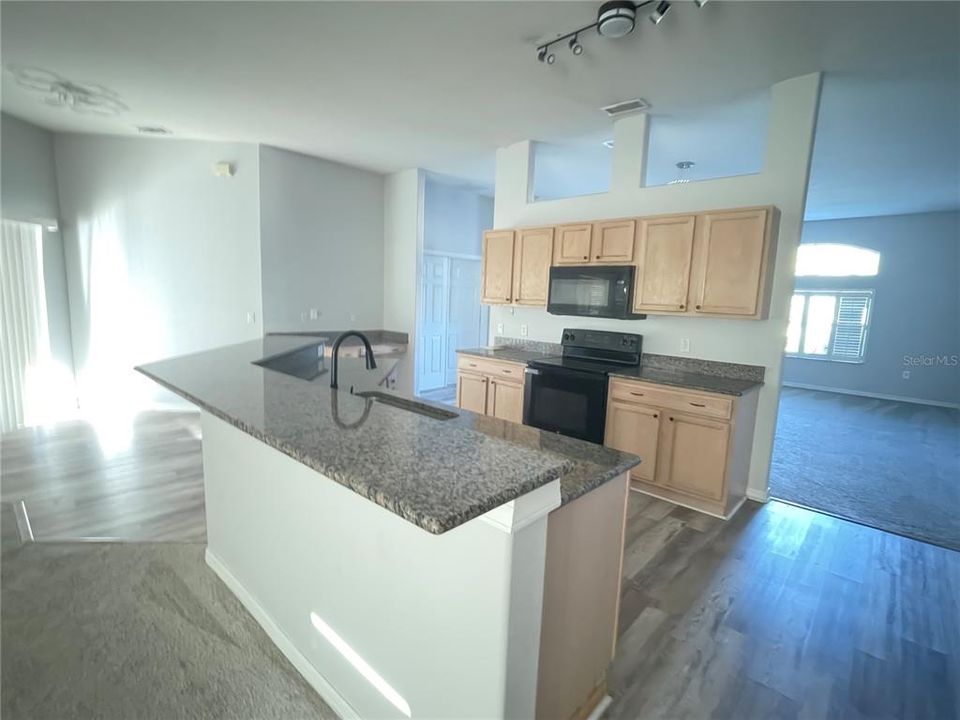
(916, 309)
(454, 218)
(793, 112)
(162, 257)
(321, 234)
(28, 193)
(402, 244)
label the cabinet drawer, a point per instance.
(496, 368)
(694, 403)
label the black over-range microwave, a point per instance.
(604, 291)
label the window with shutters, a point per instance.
(829, 324)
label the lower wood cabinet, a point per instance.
(490, 387)
(694, 447)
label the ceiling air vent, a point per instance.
(627, 106)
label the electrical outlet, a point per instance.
(251, 317)
(499, 328)
(353, 317)
(314, 314)
(523, 330)
(906, 374)
(685, 345)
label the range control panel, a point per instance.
(601, 340)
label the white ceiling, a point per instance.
(442, 85)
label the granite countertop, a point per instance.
(506, 352)
(660, 372)
(437, 474)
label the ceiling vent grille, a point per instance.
(625, 107)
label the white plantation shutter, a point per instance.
(850, 329)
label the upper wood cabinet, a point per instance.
(612, 241)
(572, 246)
(733, 263)
(497, 267)
(664, 256)
(533, 255)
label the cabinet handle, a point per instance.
(636, 393)
(598, 257)
(671, 419)
(655, 415)
(682, 307)
(508, 300)
(698, 404)
(585, 257)
(698, 307)
(472, 364)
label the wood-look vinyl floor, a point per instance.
(783, 613)
(780, 612)
(138, 481)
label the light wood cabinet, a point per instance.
(490, 387)
(635, 429)
(731, 270)
(612, 242)
(573, 244)
(497, 267)
(694, 455)
(694, 446)
(664, 255)
(533, 255)
(472, 392)
(505, 400)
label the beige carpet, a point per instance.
(135, 630)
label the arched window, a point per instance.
(835, 260)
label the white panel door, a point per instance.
(432, 331)
(466, 326)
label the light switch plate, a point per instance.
(314, 313)
(685, 345)
(523, 330)
(499, 328)
(251, 317)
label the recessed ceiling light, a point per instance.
(153, 130)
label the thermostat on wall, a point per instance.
(224, 169)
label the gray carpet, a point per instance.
(890, 465)
(138, 630)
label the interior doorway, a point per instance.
(450, 316)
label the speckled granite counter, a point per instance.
(687, 373)
(435, 473)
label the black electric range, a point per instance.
(568, 393)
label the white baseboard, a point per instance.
(324, 689)
(760, 496)
(878, 396)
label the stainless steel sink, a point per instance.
(432, 411)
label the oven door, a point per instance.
(569, 402)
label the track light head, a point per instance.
(700, 3)
(657, 15)
(542, 54)
(616, 18)
(575, 47)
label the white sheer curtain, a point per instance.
(24, 343)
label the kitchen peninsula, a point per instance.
(410, 560)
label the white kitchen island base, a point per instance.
(385, 619)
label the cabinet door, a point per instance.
(505, 400)
(572, 245)
(613, 241)
(729, 262)
(635, 429)
(531, 266)
(694, 455)
(497, 271)
(664, 253)
(472, 392)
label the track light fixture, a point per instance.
(657, 15)
(615, 19)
